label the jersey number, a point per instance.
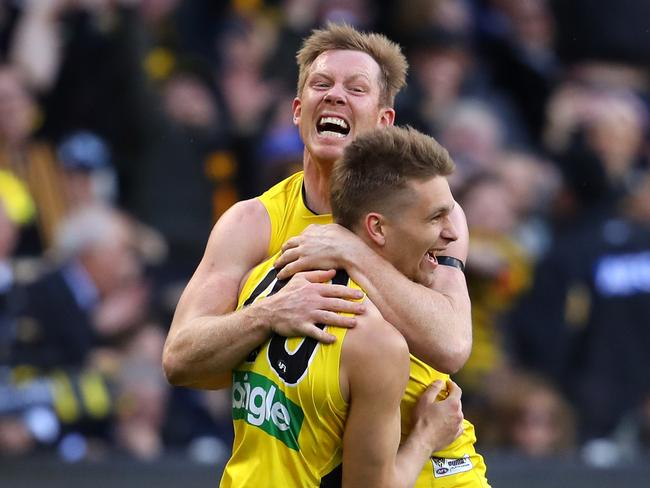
(290, 366)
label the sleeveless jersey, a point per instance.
(458, 465)
(288, 410)
(288, 212)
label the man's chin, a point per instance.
(424, 278)
(328, 153)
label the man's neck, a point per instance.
(317, 185)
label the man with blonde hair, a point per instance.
(328, 404)
(347, 84)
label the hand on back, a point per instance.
(307, 300)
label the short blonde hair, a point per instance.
(386, 53)
(374, 173)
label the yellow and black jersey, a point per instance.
(457, 465)
(287, 406)
(304, 454)
(289, 214)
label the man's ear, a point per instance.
(387, 117)
(296, 108)
(374, 227)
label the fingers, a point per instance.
(317, 276)
(289, 267)
(432, 391)
(331, 318)
(287, 256)
(291, 243)
(453, 390)
(340, 305)
(319, 334)
(340, 291)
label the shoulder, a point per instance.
(238, 242)
(243, 226)
(375, 345)
(283, 187)
(245, 212)
(281, 194)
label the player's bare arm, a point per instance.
(207, 338)
(375, 364)
(435, 321)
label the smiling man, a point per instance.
(300, 408)
(347, 85)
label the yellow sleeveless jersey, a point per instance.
(287, 406)
(458, 465)
(287, 210)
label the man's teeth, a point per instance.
(333, 120)
(331, 133)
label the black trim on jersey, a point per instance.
(333, 479)
(291, 366)
(341, 277)
(270, 276)
(266, 281)
(304, 197)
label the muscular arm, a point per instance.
(207, 338)
(436, 321)
(376, 364)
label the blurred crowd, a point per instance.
(128, 126)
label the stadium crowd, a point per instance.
(127, 127)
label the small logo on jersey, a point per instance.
(258, 401)
(448, 466)
(282, 367)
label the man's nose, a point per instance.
(335, 95)
(449, 232)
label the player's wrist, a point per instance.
(260, 319)
(421, 440)
(452, 262)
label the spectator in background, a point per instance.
(16, 208)
(88, 175)
(583, 324)
(474, 135)
(446, 72)
(31, 160)
(498, 271)
(532, 183)
(530, 417)
(89, 316)
(95, 293)
(518, 41)
(119, 74)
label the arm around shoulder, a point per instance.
(436, 320)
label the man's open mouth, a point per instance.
(332, 126)
(431, 255)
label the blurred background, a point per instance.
(127, 127)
